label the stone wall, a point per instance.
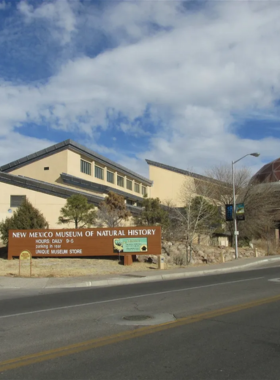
(175, 253)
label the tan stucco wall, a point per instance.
(49, 205)
(73, 168)
(68, 162)
(57, 164)
(168, 185)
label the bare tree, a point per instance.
(261, 203)
(221, 186)
(199, 216)
(260, 200)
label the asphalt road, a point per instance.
(216, 327)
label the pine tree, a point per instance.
(152, 213)
(77, 210)
(26, 217)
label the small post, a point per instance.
(277, 237)
(222, 257)
(127, 260)
(161, 262)
(25, 255)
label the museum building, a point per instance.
(48, 177)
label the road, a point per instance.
(213, 327)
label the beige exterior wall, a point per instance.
(168, 185)
(57, 164)
(74, 168)
(49, 205)
(69, 162)
(66, 161)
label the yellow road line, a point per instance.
(123, 336)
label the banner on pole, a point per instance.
(240, 211)
(229, 212)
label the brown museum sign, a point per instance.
(124, 241)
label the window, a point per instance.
(144, 190)
(130, 202)
(136, 187)
(129, 184)
(120, 181)
(85, 167)
(110, 177)
(16, 200)
(98, 172)
(46, 168)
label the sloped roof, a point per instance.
(72, 145)
(184, 172)
(268, 173)
(51, 189)
(79, 182)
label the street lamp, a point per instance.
(234, 201)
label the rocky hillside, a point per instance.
(175, 252)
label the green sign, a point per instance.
(130, 245)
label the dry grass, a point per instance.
(69, 267)
(270, 247)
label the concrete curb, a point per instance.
(160, 277)
(42, 283)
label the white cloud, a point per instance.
(15, 146)
(58, 14)
(197, 70)
(131, 21)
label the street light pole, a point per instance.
(234, 214)
(234, 201)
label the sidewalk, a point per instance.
(134, 277)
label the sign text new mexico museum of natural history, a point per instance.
(86, 242)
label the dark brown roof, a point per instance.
(268, 173)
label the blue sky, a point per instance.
(192, 84)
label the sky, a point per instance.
(191, 84)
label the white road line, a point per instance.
(128, 298)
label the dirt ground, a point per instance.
(62, 267)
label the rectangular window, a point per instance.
(130, 202)
(98, 172)
(144, 190)
(110, 177)
(129, 184)
(136, 187)
(120, 181)
(16, 200)
(85, 167)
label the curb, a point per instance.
(126, 281)
(161, 277)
